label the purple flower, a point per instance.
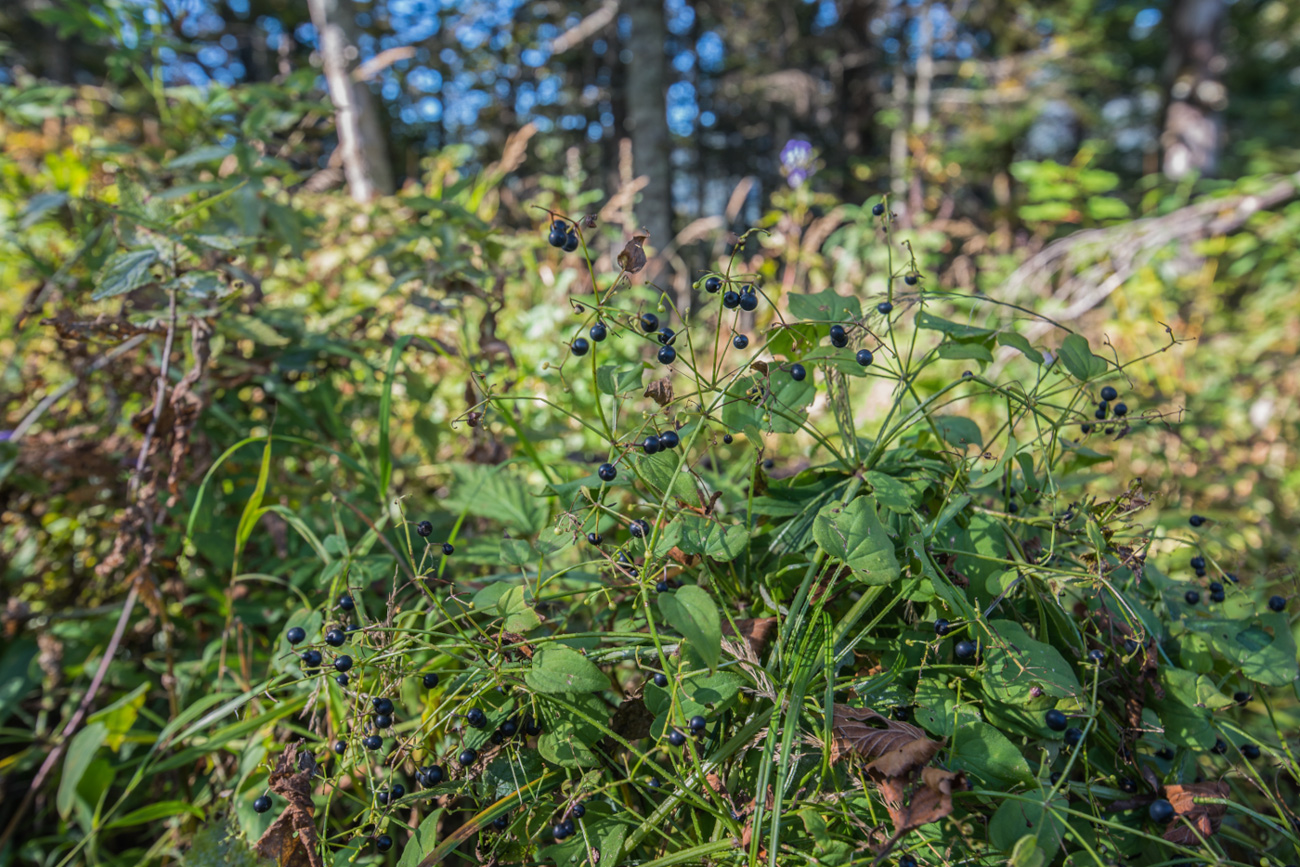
(797, 162)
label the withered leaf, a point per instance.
(632, 259)
(291, 840)
(897, 748)
(1204, 818)
(930, 801)
(660, 391)
(755, 630)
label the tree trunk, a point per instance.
(647, 84)
(361, 140)
(1190, 139)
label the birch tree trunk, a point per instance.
(647, 83)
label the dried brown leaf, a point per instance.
(1204, 818)
(632, 259)
(291, 840)
(897, 748)
(755, 630)
(660, 391)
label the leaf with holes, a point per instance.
(854, 535)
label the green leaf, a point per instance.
(519, 615)
(15, 674)
(985, 753)
(1079, 360)
(1029, 815)
(828, 307)
(618, 379)
(121, 715)
(1015, 663)
(498, 494)
(601, 829)
(253, 508)
(691, 611)
(568, 736)
(559, 669)
(515, 552)
(958, 431)
(81, 752)
(965, 351)
(695, 534)
(125, 272)
(890, 492)
(154, 812)
(854, 535)
(656, 471)
(422, 841)
(939, 712)
(953, 329)
(1015, 341)
(1268, 659)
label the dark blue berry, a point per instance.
(965, 649)
(878, 209)
(430, 680)
(1160, 811)
(839, 338)
(669, 439)
(557, 239)
(510, 727)
(598, 332)
(262, 804)
(1216, 587)
(797, 372)
(448, 549)
(1097, 656)
(1192, 597)
(343, 663)
(865, 357)
(697, 724)
(578, 810)
(740, 341)
(676, 738)
(341, 679)
(941, 627)
(726, 439)
(558, 832)
(571, 242)
(1109, 393)
(476, 718)
(1073, 736)
(607, 473)
(651, 444)
(1217, 596)
(649, 322)
(712, 284)
(311, 658)
(296, 635)
(910, 279)
(907, 860)
(662, 587)
(1100, 414)
(383, 721)
(501, 822)
(424, 528)
(373, 742)
(1196, 520)
(661, 680)
(1241, 697)
(595, 538)
(1056, 720)
(1127, 785)
(667, 355)
(468, 756)
(1276, 603)
(382, 705)
(1197, 562)
(885, 308)
(383, 842)
(749, 301)
(667, 336)
(340, 747)
(731, 299)
(1219, 747)
(1121, 410)
(335, 638)
(640, 529)
(580, 346)
(346, 603)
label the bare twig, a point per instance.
(53, 397)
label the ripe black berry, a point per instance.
(910, 279)
(1196, 520)
(964, 649)
(667, 355)
(1073, 736)
(749, 301)
(1197, 562)
(669, 439)
(510, 727)
(571, 242)
(296, 635)
(468, 756)
(885, 308)
(1216, 587)
(433, 775)
(1250, 751)
(373, 742)
(1121, 410)
(941, 627)
(1086, 428)
(676, 738)
(726, 439)
(1192, 596)
(262, 804)
(1276, 603)
(1217, 596)
(712, 284)
(343, 663)
(1055, 777)
(424, 528)
(839, 339)
(340, 747)
(383, 842)
(1219, 746)
(1241, 697)
(558, 832)
(1165, 753)
(1100, 414)
(667, 336)
(346, 603)
(907, 860)
(311, 658)
(383, 721)
(580, 346)
(335, 638)
(598, 332)
(341, 679)
(661, 680)
(649, 322)
(382, 798)
(448, 548)
(1109, 393)
(1056, 720)
(578, 811)
(501, 822)
(878, 209)
(1097, 656)
(730, 299)
(640, 529)
(607, 473)
(476, 718)
(595, 538)
(697, 724)
(662, 587)
(651, 444)
(382, 705)
(430, 680)
(1160, 811)
(557, 239)
(1128, 785)
(797, 372)
(865, 357)
(1231, 577)
(740, 341)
